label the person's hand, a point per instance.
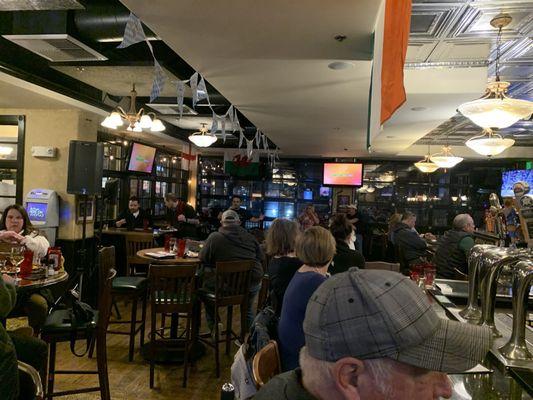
(430, 236)
(11, 237)
(181, 218)
(121, 222)
(8, 279)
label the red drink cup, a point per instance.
(429, 273)
(181, 247)
(26, 265)
(167, 242)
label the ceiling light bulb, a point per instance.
(116, 119)
(489, 143)
(108, 123)
(157, 126)
(125, 142)
(129, 128)
(146, 122)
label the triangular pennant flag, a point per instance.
(159, 81)
(249, 147)
(150, 47)
(180, 89)
(201, 90)
(214, 124)
(236, 124)
(194, 86)
(241, 137)
(223, 127)
(133, 33)
(229, 113)
(265, 142)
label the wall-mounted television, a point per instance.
(141, 158)
(509, 178)
(343, 174)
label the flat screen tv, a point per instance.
(142, 158)
(509, 178)
(343, 174)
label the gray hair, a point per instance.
(408, 215)
(461, 221)
(318, 379)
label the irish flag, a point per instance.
(391, 36)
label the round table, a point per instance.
(29, 284)
(175, 260)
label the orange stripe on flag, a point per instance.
(395, 38)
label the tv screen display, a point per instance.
(325, 191)
(37, 211)
(343, 174)
(509, 178)
(308, 194)
(142, 158)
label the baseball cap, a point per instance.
(370, 314)
(230, 216)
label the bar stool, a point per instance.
(173, 291)
(232, 286)
(59, 327)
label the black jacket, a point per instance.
(281, 270)
(132, 222)
(409, 242)
(345, 258)
(233, 243)
(449, 256)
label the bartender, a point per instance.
(181, 216)
(133, 217)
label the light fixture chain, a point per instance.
(498, 45)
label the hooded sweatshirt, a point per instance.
(412, 245)
(232, 243)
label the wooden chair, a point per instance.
(59, 327)
(382, 265)
(173, 291)
(134, 243)
(262, 297)
(232, 286)
(266, 364)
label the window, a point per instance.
(11, 159)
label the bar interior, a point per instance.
(277, 200)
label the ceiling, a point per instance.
(271, 59)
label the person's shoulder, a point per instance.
(282, 386)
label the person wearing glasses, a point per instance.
(451, 256)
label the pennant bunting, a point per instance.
(180, 90)
(133, 33)
(265, 142)
(230, 114)
(194, 88)
(241, 137)
(159, 81)
(201, 91)
(214, 124)
(249, 147)
(223, 127)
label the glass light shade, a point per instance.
(370, 189)
(116, 119)
(108, 123)
(426, 166)
(157, 126)
(445, 159)
(496, 113)
(146, 122)
(202, 139)
(5, 150)
(137, 127)
(489, 145)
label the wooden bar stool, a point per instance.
(173, 291)
(134, 243)
(59, 327)
(232, 286)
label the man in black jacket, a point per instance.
(410, 244)
(231, 243)
(133, 217)
(454, 246)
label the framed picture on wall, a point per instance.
(343, 201)
(81, 209)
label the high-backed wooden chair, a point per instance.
(382, 265)
(173, 291)
(59, 327)
(266, 364)
(232, 286)
(134, 243)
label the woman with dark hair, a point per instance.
(16, 229)
(346, 255)
(280, 240)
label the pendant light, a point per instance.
(425, 165)
(445, 159)
(203, 138)
(495, 109)
(489, 143)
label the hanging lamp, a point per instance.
(489, 143)
(426, 165)
(445, 159)
(495, 109)
(203, 138)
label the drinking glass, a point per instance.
(429, 274)
(16, 257)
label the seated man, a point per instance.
(409, 242)
(454, 246)
(133, 217)
(231, 243)
(373, 334)
(244, 215)
(181, 216)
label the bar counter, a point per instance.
(501, 382)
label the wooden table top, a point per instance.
(27, 284)
(175, 260)
(125, 232)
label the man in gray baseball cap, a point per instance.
(373, 335)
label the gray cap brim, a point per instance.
(454, 348)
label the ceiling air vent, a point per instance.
(56, 47)
(171, 109)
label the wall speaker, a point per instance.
(85, 164)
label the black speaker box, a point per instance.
(85, 164)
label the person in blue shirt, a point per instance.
(315, 248)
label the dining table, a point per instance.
(144, 254)
(30, 284)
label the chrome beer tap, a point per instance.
(516, 347)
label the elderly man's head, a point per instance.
(464, 222)
(230, 218)
(373, 335)
(409, 219)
